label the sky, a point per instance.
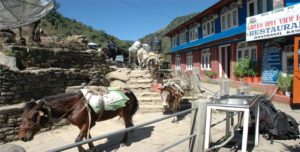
(129, 19)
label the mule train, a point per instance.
(145, 58)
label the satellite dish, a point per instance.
(17, 13)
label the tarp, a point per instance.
(113, 100)
(17, 13)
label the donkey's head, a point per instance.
(33, 118)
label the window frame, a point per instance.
(205, 59)
(255, 5)
(174, 40)
(208, 26)
(193, 32)
(245, 49)
(227, 17)
(182, 37)
(177, 62)
(189, 61)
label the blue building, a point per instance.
(215, 39)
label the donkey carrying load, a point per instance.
(81, 110)
(171, 95)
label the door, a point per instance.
(296, 94)
(224, 61)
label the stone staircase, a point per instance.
(140, 83)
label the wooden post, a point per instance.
(198, 126)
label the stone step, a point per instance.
(148, 94)
(144, 81)
(139, 72)
(146, 76)
(138, 91)
(149, 99)
(150, 102)
(138, 86)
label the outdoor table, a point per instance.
(234, 103)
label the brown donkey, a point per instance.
(71, 106)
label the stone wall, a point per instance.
(61, 58)
(20, 86)
(41, 73)
(10, 118)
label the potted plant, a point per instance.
(210, 74)
(280, 84)
(238, 71)
(246, 69)
(288, 85)
(285, 85)
(254, 71)
(249, 74)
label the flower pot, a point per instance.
(280, 92)
(248, 79)
(256, 79)
(288, 93)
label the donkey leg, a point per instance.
(81, 136)
(128, 123)
(91, 145)
(78, 139)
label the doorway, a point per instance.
(224, 61)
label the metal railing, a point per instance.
(66, 147)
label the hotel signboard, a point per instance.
(276, 23)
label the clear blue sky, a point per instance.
(129, 19)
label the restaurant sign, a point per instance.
(276, 23)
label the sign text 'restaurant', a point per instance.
(280, 22)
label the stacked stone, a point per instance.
(27, 84)
(45, 58)
(42, 73)
(10, 119)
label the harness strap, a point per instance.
(49, 111)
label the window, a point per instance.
(245, 50)
(208, 26)
(252, 7)
(182, 37)
(177, 62)
(193, 34)
(205, 59)
(189, 61)
(288, 59)
(229, 17)
(264, 6)
(174, 40)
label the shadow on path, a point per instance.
(114, 142)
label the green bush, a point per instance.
(210, 74)
(285, 83)
(245, 67)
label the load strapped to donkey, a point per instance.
(143, 53)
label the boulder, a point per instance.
(11, 148)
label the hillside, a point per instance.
(56, 24)
(166, 43)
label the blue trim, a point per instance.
(291, 2)
(224, 34)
